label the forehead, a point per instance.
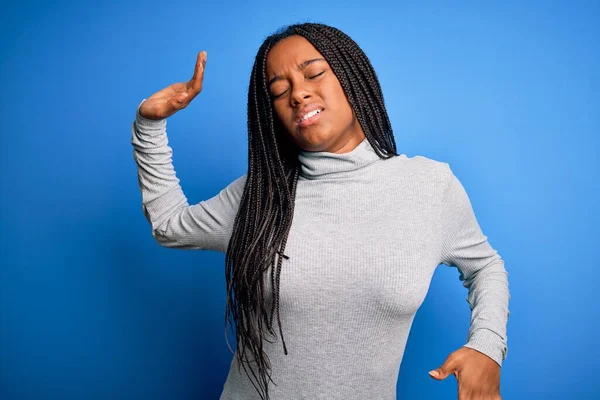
(289, 53)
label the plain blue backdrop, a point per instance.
(92, 308)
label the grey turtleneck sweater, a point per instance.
(366, 237)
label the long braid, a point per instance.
(266, 209)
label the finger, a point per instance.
(181, 98)
(195, 84)
(463, 392)
(197, 66)
(463, 395)
(448, 367)
(440, 373)
(176, 103)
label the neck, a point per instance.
(324, 164)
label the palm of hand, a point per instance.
(176, 96)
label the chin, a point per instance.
(313, 142)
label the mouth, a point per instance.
(309, 118)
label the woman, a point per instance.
(331, 236)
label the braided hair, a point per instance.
(266, 207)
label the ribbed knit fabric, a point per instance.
(366, 237)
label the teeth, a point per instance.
(310, 114)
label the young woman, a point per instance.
(331, 237)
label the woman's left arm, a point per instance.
(477, 364)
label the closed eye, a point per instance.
(310, 77)
(276, 96)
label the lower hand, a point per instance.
(477, 374)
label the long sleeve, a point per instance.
(206, 225)
(481, 271)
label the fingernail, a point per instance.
(434, 373)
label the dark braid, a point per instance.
(266, 208)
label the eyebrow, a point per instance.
(300, 67)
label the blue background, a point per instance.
(92, 308)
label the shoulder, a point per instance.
(423, 169)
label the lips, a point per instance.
(302, 122)
(308, 109)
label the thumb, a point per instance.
(182, 96)
(442, 372)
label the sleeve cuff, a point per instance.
(488, 343)
(149, 126)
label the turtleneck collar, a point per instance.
(322, 164)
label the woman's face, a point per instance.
(301, 83)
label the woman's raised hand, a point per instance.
(175, 97)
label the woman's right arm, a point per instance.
(206, 225)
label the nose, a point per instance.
(300, 93)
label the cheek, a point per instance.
(338, 101)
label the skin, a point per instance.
(337, 131)
(295, 85)
(478, 376)
(176, 96)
